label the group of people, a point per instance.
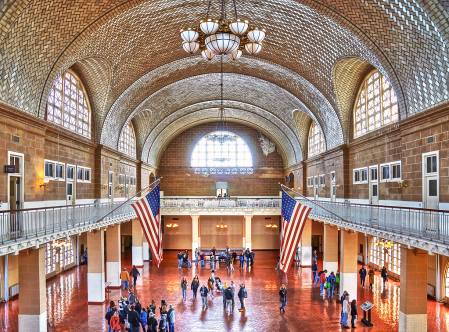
(226, 257)
(132, 315)
(129, 278)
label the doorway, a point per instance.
(14, 193)
(15, 181)
(431, 180)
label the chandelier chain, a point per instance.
(208, 9)
(235, 10)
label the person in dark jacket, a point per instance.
(228, 296)
(138, 306)
(195, 285)
(384, 274)
(314, 270)
(134, 320)
(171, 319)
(126, 310)
(279, 261)
(131, 297)
(151, 322)
(242, 294)
(247, 255)
(153, 306)
(252, 255)
(354, 314)
(242, 259)
(134, 273)
(179, 259)
(283, 297)
(204, 291)
(331, 281)
(362, 273)
(318, 278)
(109, 315)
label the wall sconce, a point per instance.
(271, 225)
(104, 186)
(170, 225)
(222, 225)
(44, 183)
(402, 184)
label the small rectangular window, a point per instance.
(87, 174)
(49, 169)
(431, 166)
(316, 180)
(322, 179)
(374, 174)
(333, 177)
(357, 176)
(395, 171)
(15, 160)
(70, 172)
(111, 174)
(364, 174)
(385, 172)
(79, 174)
(59, 171)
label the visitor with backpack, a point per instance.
(184, 288)
(241, 259)
(126, 310)
(133, 320)
(195, 285)
(362, 273)
(163, 321)
(151, 322)
(143, 319)
(171, 319)
(137, 306)
(283, 298)
(242, 294)
(111, 311)
(203, 292)
(371, 277)
(337, 282)
(330, 285)
(314, 271)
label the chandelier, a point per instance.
(222, 225)
(273, 225)
(61, 243)
(223, 37)
(172, 225)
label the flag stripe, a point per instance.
(292, 231)
(148, 235)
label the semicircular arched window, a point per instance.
(127, 141)
(376, 106)
(316, 140)
(209, 152)
(68, 106)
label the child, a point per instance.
(231, 263)
(354, 314)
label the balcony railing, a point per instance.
(28, 223)
(221, 203)
(422, 223)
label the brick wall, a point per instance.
(175, 165)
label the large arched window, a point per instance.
(67, 105)
(127, 141)
(209, 153)
(316, 140)
(376, 105)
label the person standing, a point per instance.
(121, 305)
(195, 285)
(362, 273)
(384, 274)
(151, 256)
(124, 277)
(314, 256)
(228, 296)
(212, 261)
(337, 283)
(184, 288)
(131, 297)
(153, 306)
(214, 251)
(354, 314)
(114, 323)
(331, 285)
(151, 322)
(322, 281)
(204, 291)
(242, 259)
(242, 296)
(283, 297)
(231, 263)
(143, 319)
(133, 320)
(346, 311)
(234, 255)
(111, 311)
(197, 255)
(298, 254)
(279, 261)
(171, 319)
(252, 255)
(314, 270)
(85, 256)
(247, 254)
(233, 294)
(179, 259)
(319, 277)
(138, 306)
(163, 321)
(210, 286)
(134, 273)
(202, 259)
(371, 277)
(343, 298)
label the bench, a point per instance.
(207, 252)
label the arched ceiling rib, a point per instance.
(264, 119)
(198, 117)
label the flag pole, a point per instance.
(313, 202)
(127, 201)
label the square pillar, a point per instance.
(95, 267)
(32, 298)
(247, 226)
(195, 232)
(137, 245)
(113, 255)
(306, 244)
(330, 255)
(413, 298)
(348, 263)
(145, 250)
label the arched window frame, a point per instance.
(374, 90)
(127, 140)
(79, 109)
(204, 152)
(315, 141)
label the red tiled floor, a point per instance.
(306, 310)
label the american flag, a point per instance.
(294, 216)
(148, 210)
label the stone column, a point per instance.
(330, 257)
(413, 298)
(137, 248)
(95, 267)
(32, 298)
(248, 231)
(113, 255)
(195, 240)
(348, 264)
(6, 279)
(306, 244)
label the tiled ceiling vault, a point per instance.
(129, 56)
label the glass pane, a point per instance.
(433, 187)
(434, 164)
(429, 164)
(375, 190)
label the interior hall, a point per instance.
(224, 165)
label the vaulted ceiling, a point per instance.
(129, 57)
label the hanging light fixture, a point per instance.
(223, 37)
(272, 225)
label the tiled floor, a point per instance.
(306, 309)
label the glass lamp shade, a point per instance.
(209, 26)
(253, 48)
(208, 55)
(256, 35)
(238, 27)
(191, 47)
(189, 35)
(222, 43)
(237, 54)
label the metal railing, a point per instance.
(221, 203)
(28, 223)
